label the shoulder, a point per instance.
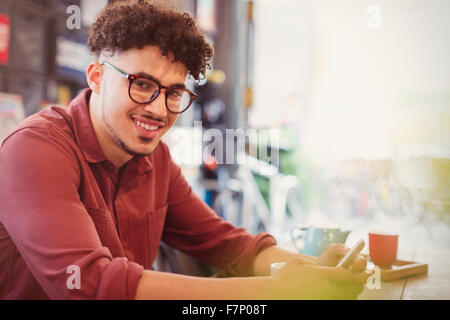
(40, 132)
(51, 120)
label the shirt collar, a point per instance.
(145, 165)
(83, 129)
(85, 134)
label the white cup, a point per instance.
(274, 267)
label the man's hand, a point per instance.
(300, 280)
(335, 252)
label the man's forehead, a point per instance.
(149, 59)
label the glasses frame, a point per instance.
(132, 77)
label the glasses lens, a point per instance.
(143, 90)
(178, 100)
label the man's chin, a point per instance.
(140, 152)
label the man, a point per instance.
(88, 192)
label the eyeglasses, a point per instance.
(145, 89)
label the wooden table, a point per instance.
(435, 285)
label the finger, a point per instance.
(332, 255)
(342, 249)
(359, 265)
(341, 274)
(337, 250)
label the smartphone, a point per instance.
(352, 254)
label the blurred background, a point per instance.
(356, 92)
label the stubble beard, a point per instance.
(119, 141)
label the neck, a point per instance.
(111, 149)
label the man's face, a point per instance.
(121, 119)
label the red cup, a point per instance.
(383, 249)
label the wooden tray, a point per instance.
(401, 269)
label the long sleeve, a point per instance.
(41, 211)
(194, 228)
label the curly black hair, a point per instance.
(124, 25)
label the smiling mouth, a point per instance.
(147, 131)
(146, 126)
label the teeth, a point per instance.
(146, 126)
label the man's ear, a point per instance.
(94, 75)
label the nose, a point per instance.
(158, 106)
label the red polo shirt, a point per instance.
(67, 216)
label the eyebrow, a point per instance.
(174, 85)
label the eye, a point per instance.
(142, 83)
(176, 94)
